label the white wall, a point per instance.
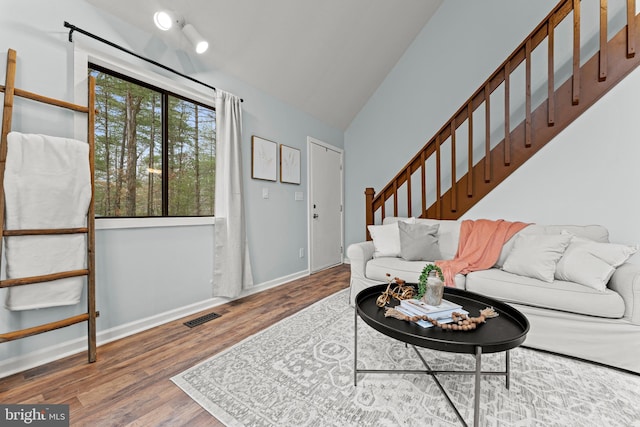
(588, 174)
(143, 274)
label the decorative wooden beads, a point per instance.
(461, 322)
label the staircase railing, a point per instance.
(498, 159)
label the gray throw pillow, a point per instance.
(419, 242)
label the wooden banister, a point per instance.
(615, 59)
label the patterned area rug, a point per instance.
(299, 372)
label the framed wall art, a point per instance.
(263, 159)
(289, 164)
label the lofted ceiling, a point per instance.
(324, 57)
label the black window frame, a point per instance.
(165, 137)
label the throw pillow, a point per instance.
(592, 263)
(536, 255)
(419, 242)
(386, 238)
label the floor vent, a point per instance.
(202, 319)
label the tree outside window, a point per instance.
(155, 151)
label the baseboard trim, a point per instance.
(273, 283)
(49, 354)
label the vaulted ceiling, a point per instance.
(324, 57)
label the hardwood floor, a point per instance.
(130, 383)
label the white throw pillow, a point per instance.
(386, 238)
(592, 263)
(536, 255)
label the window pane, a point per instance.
(128, 135)
(191, 156)
(132, 141)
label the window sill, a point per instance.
(120, 223)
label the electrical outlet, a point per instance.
(301, 253)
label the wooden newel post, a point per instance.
(369, 194)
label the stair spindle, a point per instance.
(602, 72)
(527, 121)
(576, 53)
(438, 179)
(395, 198)
(551, 73)
(631, 28)
(507, 114)
(409, 192)
(423, 178)
(454, 193)
(487, 137)
(470, 151)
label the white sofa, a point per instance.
(569, 318)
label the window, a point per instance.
(155, 150)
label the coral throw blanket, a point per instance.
(479, 246)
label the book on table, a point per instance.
(422, 308)
(441, 313)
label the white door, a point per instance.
(325, 205)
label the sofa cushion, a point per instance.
(448, 233)
(419, 242)
(409, 271)
(558, 295)
(596, 233)
(592, 263)
(386, 238)
(536, 255)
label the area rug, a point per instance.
(299, 372)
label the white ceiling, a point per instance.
(324, 57)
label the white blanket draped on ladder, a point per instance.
(47, 185)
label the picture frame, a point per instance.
(263, 159)
(289, 164)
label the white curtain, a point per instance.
(232, 270)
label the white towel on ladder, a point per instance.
(47, 184)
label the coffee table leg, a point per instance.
(355, 347)
(476, 397)
(507, 369)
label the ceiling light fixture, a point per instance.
(163, 20)
(200, 44)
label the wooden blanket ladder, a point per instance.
(10, 91)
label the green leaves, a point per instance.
(422, 281)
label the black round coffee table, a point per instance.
(502, 333)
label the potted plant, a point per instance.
(436, 273)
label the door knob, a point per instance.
(315, 216)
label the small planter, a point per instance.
(431, 285)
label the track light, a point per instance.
(163, 20)
(195, 38)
